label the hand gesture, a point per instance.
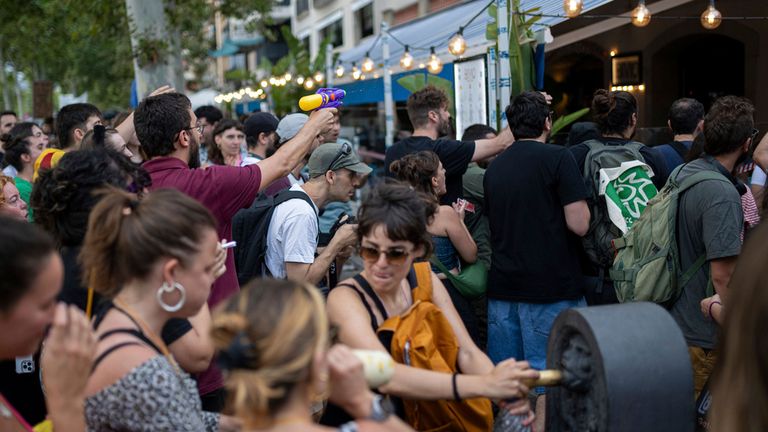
(163, 89)
(460, 206)
(506, 380)
(323, 119)
(348, 386)
(66, 358)
(220, 267)
(346, 235)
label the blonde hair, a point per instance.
(740, 386)
(272, 331)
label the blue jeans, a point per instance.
(521, 330)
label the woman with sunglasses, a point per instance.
(452, 242)
(393, 235)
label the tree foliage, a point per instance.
(84, 45)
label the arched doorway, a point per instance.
(572, 79)
(699, 66)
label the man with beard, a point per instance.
(428, 112)
(170, 134)
(710, 222)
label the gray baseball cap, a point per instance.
(290, 125)
(335, 157)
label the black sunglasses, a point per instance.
(393, 256)
(345, 150)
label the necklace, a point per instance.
(144, 327)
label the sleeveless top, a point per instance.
(154, 396)
(445, 252)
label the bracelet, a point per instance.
(710, 308)
(456, 396)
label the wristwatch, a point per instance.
(381, 408)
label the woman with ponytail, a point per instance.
(273, 339)
(105, 137)
(155, 260)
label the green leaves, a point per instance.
(565, 120)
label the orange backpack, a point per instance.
(423, 338)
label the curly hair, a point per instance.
(420, 103)
(63, 197)
(4, 180)
(417, 169)
(728, 125)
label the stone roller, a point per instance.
(618, 368)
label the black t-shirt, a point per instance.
(652, 157)
(534, 255)
(20, 385)
(455, 156)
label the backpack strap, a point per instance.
(423, 289)
(289, 195)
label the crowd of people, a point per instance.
(173, 269)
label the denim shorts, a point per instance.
(521, 330)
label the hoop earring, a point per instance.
(165, 288)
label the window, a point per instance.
(302, 6)
(364, 20)
(336, 32)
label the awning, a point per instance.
(437, 28)
(372, 90)
(233, 46)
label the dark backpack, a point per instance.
(599, 238)
(249, 230)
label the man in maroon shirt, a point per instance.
(168, 131)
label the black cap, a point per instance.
(260, 122)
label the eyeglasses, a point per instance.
(345, 150)
(198, 127)
(754, 134)
(393, 256)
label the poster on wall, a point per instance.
(470, 92)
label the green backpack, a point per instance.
(647, 264)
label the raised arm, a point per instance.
(486, 148)
(293, 151)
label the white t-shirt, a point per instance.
(292, 235)
(758, 176)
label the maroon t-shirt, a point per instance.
(223, 190)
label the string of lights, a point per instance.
(640, 16)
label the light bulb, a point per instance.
(340, 70)
(356, 72)
(641, 16)
(367, 64)
(287, 76)
(711, 18)
(406, 61)
(272, 80)
(457, 45)
(308, 83)
(283, 82)
(572, 8)
(299, 80)
(263, 83)
(319, 76)
(434, 65)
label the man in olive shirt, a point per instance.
(710, 222)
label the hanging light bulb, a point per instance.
(309, 84)
(434, 65)
(457, 45)
(368, 63)
(406, 61)
(319, 77)
(356, 72)
(299, 80)
(641, 16)
(272, 80)
(711, 18)
(572, 8)
(263, 83)
(287, 76)
(340, 70)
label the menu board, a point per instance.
(470, 92)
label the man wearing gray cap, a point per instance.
(288, 127)
(335, 172)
